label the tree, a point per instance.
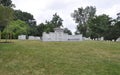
(24, 16)
(56, 20)
(40, 29)
(66, 30)
(118, 16)
(54, 23)
(48, 27)
(99, 25)
(114, 32)
(117, 29)
(6, 15)
(28, 18)
(33, 31)
(7, 3)
(16, 28)
(81, 16)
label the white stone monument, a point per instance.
(59, 35)
(34, 38)
(22, 37)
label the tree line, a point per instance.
(16, 22)
(96, 26)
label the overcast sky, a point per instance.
(44, 9)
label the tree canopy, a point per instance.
(99, 25)
(16, 28)
(7, 3)
(66, 30)
(56, 20)
(96, 26)
(6, 15)
(81, 17)
(54, 23)
(24, 16)
(88, 23)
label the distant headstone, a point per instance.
(22, 37)
(102, 38)
(86, 38)
(34, 38)
(31, 37)
(37, 38)
(118, 39)
(113, 40)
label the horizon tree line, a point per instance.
(16, 22)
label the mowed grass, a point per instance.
(60, 58)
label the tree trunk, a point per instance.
(7, 35)
(0, 35)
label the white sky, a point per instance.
(44, 9)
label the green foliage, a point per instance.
(29, 19)
(7, 3)
(60, 58)
(40, 29)
(24, 16)
(99, 25)
(104, 26)
(6, 15)
(33, 31)
(81, 16)
(16, 28)
(96, 26)
(56, 20)
(49, 27)
(113, 33)
(118, 16)
(54, 23)
(66, 30)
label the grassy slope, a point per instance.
(60, 58)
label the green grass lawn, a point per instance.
(60, 58)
